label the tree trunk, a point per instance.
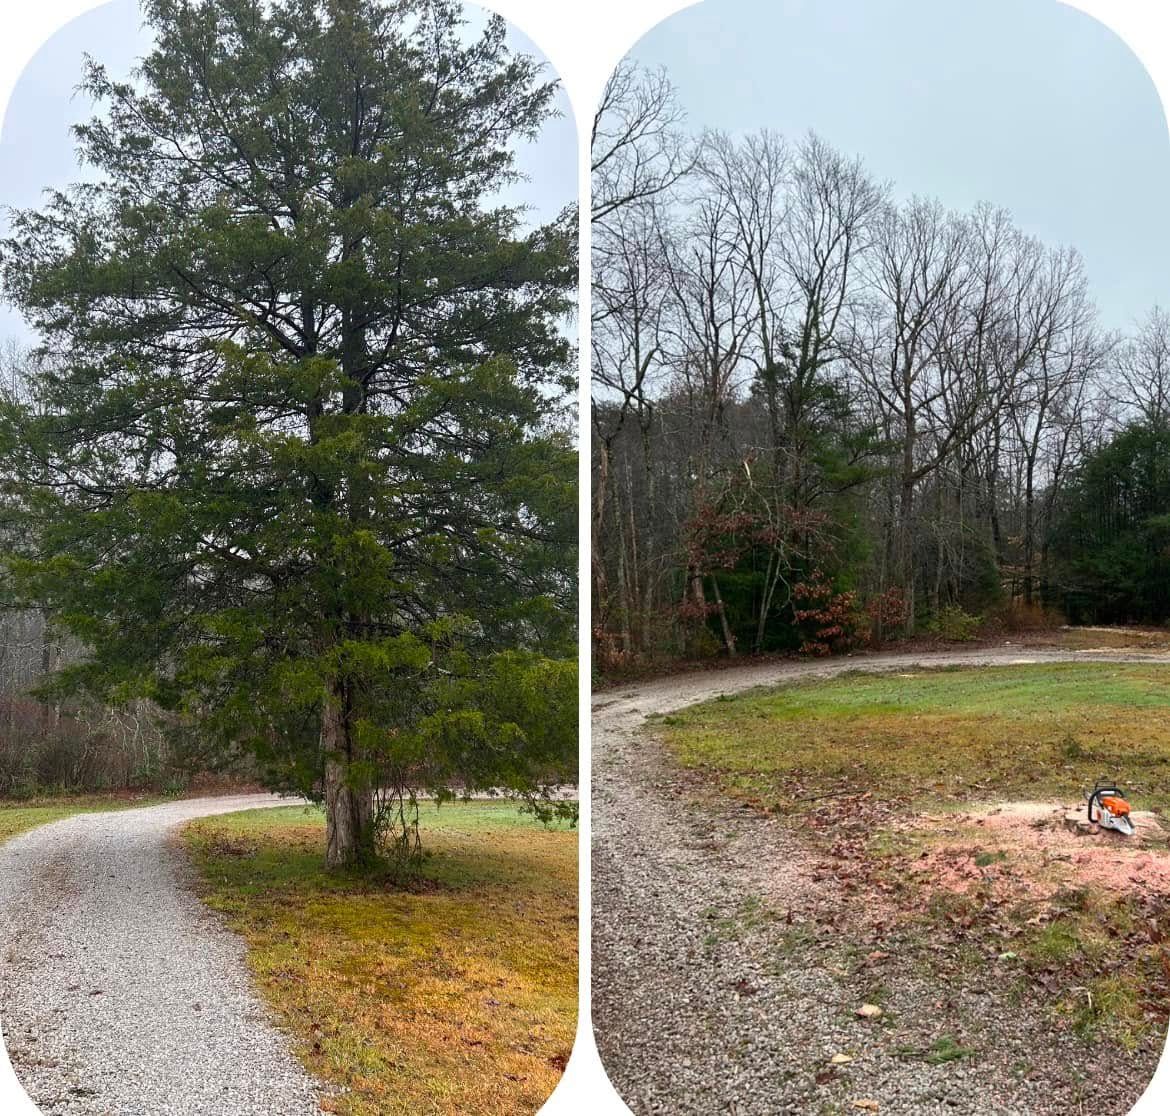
(649, 589)
(623, 575)
(1029, 530)
(940, 551)
(48, 721)
(600, 580)
(634, 592)
(724, 626)
(905, 550)
(349, 811)
(765, 603)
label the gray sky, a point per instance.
(1026, 104)
(36, 148)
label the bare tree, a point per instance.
(630, 288)
(1142, 371)
(709, 324)
(920, 286)
(637, 150)
(1064, 350)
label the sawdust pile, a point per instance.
(1035, 849)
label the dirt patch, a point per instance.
(1035, 849)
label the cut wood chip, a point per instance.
(867, 1104)
(841, 1059)
(869, 1011)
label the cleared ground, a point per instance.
(459, 996)
(1099, 639)
(949, 798)
(826, 917)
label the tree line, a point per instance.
(823, 415)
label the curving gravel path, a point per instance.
(726, 977)
(119, 992)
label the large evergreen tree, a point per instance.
(290, 465)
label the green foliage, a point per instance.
(1111, 538)
(953, 623)
(980, 588)
(298, 440)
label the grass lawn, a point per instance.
(933, 737)
(457, 997)
(18, 816)
(857, 762)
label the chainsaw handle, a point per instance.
(1100, 792)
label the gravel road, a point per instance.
(119, 992)
(725, 978)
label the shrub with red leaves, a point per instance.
(886, 613)
(830, 622)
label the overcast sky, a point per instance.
(36, 148)
(1024, 103)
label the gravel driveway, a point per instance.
(725, 978)
(119, 992)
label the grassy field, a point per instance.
(878, 770)
(459, 996)
(18, 816)
(933, 737)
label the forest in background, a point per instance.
(823, 418)
(51, 744)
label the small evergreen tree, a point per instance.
(290, 466)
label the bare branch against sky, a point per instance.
(1033, 106)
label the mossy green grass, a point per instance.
(931, 737)
(458, 995)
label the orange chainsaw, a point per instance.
(1109, 810)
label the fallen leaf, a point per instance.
(841, 1059)
(866, 1104)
